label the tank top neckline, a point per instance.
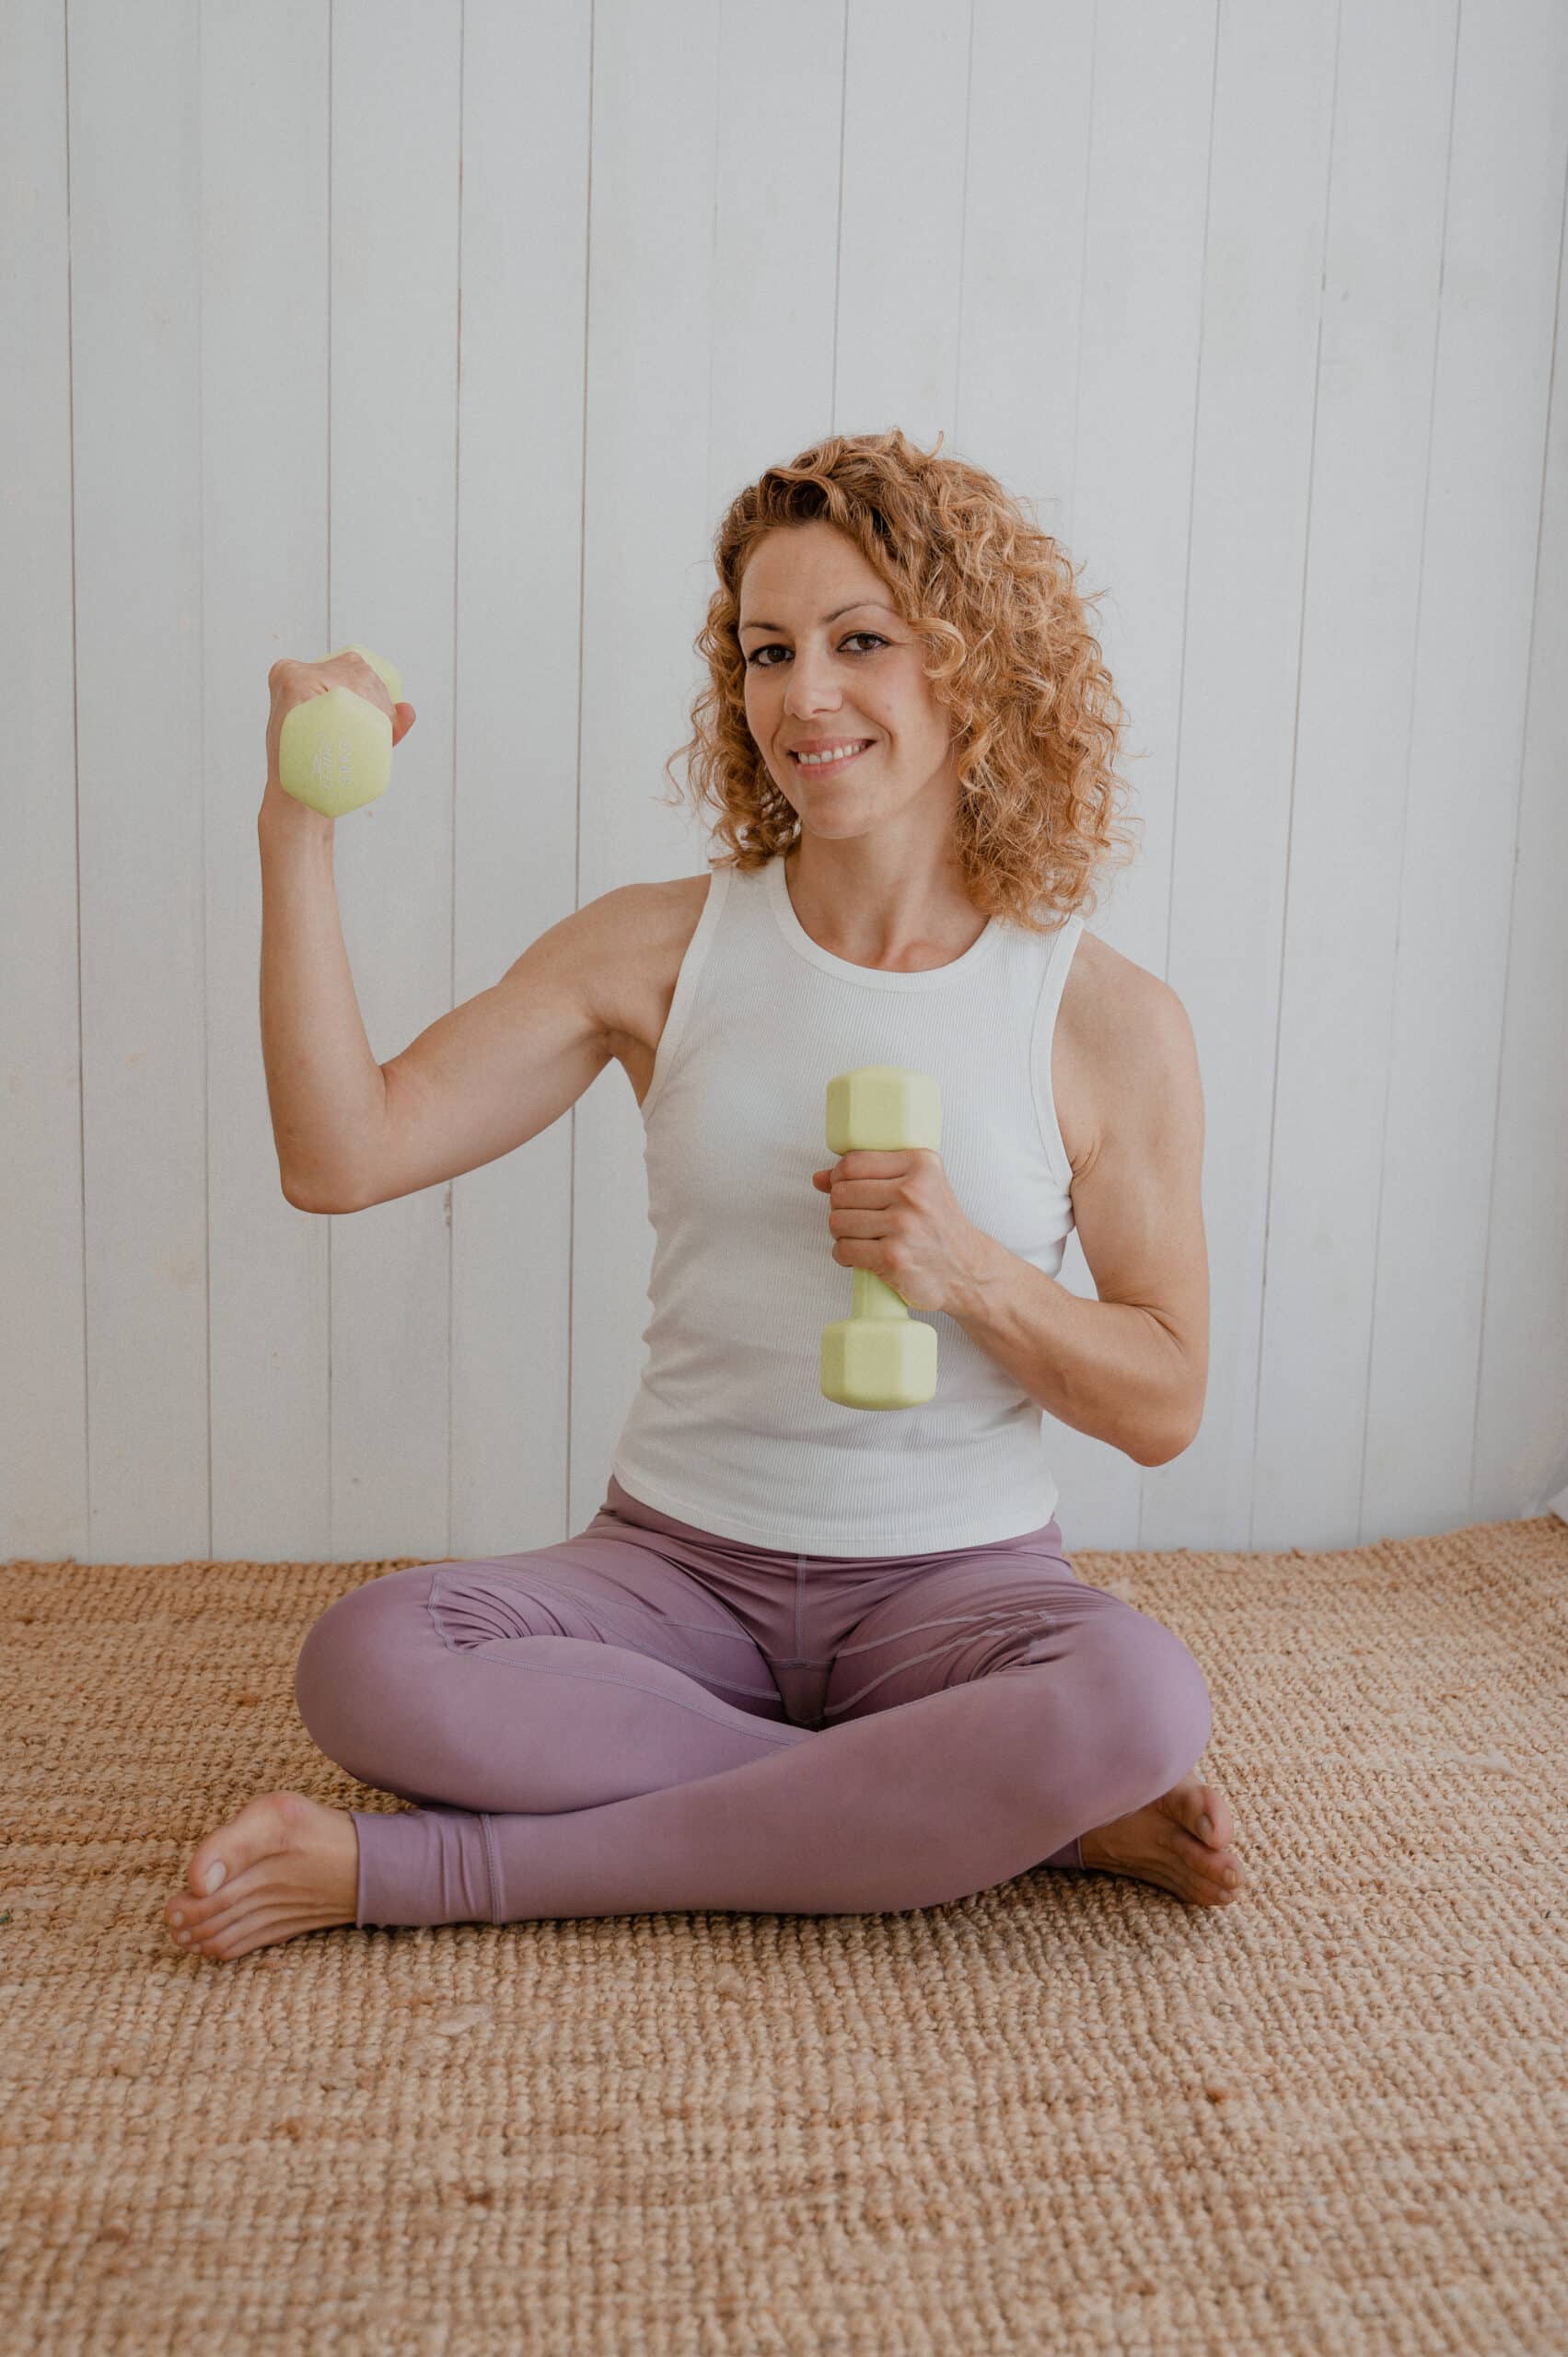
(877, 977)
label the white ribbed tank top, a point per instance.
(728, 1428)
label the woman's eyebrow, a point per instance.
(850, 609)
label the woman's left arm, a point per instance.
(1132, 1367)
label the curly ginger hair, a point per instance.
(1009, 655)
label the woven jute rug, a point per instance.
(1068, 2113)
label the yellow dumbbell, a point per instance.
(335, 751)
(879, 1356)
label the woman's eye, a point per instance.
(755, 656)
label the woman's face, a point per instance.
(814, 671)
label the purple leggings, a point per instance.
(647, 1716)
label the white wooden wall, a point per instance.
(452, 327)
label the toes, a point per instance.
(263, 1825)
(1208, 1882)
(1209, 1801)
(220, 1941)
(209, 1869)
(203, 1915)
(1213, 1864)
(259, 1928)
(207, 1923)
(261, 1829)
(233, 1939)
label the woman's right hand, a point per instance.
(291, 683)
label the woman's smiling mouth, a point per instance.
(833, 760)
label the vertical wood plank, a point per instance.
(390, 521)
(645, 532)
(134, 131)
(1521, 1436)
(1130, 520)
(1240, 642)
(1500, 262)
(266, 334)
(1026, 203)
(518, 849)
(44, 1489)
(1338, 868)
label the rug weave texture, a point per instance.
(1068, 2113)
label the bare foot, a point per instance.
(1161, 1843)
(293, 1866)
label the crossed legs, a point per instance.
(563, 1774)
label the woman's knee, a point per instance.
(350, 1668)
(1151, 1703)
(1168, 1702)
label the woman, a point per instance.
(808, 1658)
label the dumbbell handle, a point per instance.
(335, 750)
(872, 1296)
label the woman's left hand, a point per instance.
(895, 1214)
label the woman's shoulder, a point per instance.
(656, 921)
(1110, 1006)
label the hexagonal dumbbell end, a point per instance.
(879, 1356)
(335, 751)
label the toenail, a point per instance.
(177, 1918)
(1206, 1828)
(213, 1876)
(1232, 1877)
(183, 1938)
